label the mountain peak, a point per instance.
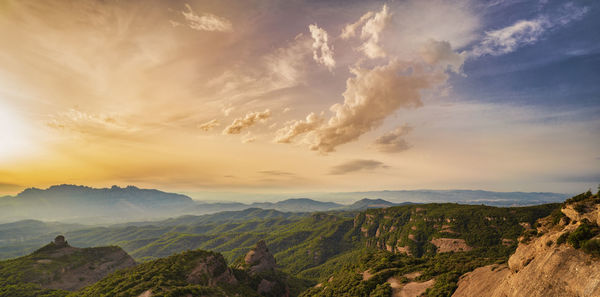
(259, 259)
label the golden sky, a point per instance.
(273, 96)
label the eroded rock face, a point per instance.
(259, 259)
(445, 245)
(211, 271)
(540, 268)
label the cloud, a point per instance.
(441, 53)
(350, 29)
(393, 141)
(373, 25)
(209, 125)
(295, 128)
(508, 39)
(249, 120)
(276, 173)
(370, 96)
(91, 124)
(322, 53)
(248, 138)
(356, 165)
(280, 69)
(206, 21)
(525, 32)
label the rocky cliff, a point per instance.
(558, 258)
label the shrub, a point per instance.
(562, 238)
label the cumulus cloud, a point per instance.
(322, 53)
(370, 96)
(441, 53)
(249, 120)
(525, 32)
(295, 128)
(357, 165)
(373, 25)
(393, 141)
(206, 21)
(209, 125)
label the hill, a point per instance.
(199, 273)
(58, 267)
(367, 203)
(69, 203)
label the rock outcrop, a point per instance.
(58, 265)
(542, 267)
(211, 271)
(259, 259)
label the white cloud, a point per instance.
(350, 29)
(209, 125)
(206, 21)
(249, 120)
(295, 128)
(373, 24)
(393, 141)
(525, 32)
(322, 53)
(370, 96)
(508, 39)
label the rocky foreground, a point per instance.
(558, 258)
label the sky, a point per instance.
(264, 96)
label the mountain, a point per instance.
(455, 196)
(298, 205)
(367, 203)
(560, 257)
(69, 203)
(198, 273)
(58, 267)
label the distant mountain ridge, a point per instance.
(87, 205)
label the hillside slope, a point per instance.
(559, 258)
(61, 267)
(199, 273)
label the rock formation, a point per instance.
(544, 265)
(259, 259)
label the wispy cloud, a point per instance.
(322, 52)
(525, 32)
(91, 124)
(209, 125)
(205, 21)
(356, 165)
(276, 173)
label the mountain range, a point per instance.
(86, 205)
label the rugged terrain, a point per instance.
(59, 266)
(558, 258)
